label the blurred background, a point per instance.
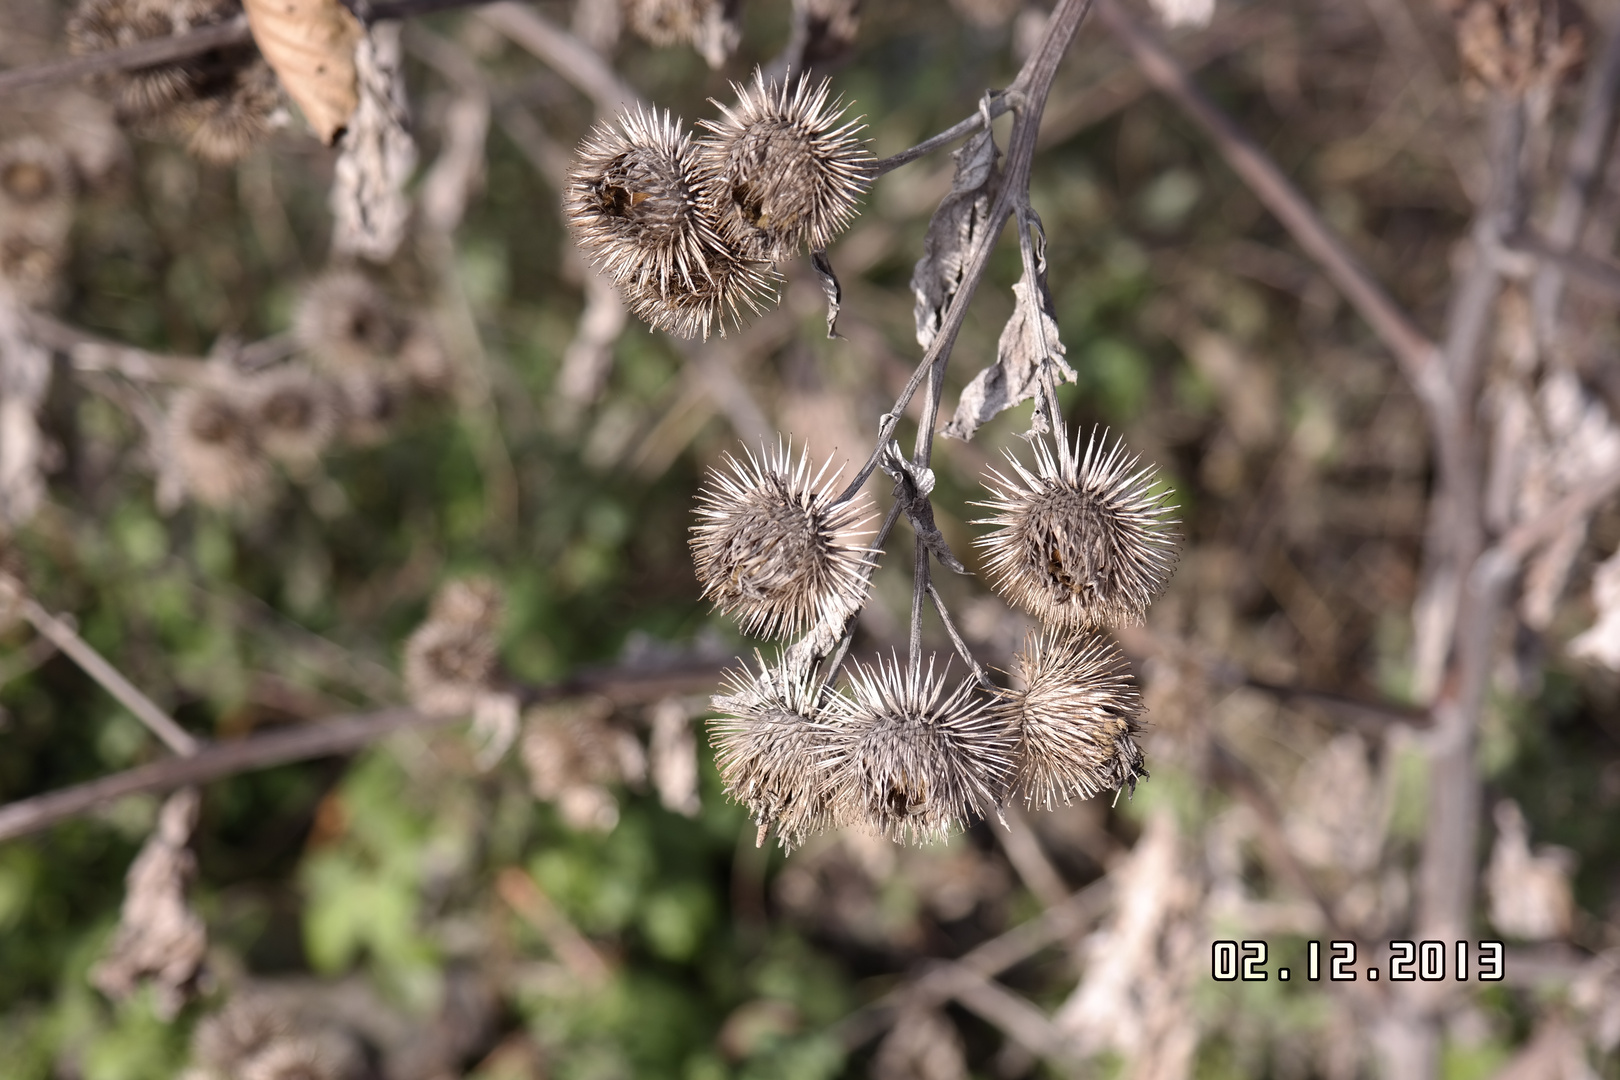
(588, 904)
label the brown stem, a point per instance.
(328, 738)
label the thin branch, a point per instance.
(64, 637)
(564, 53)
(331, 737)
(1060, 921)
(170, 50)
(962, 649)
(1416, 353)
(1030, 91)
(1581, 172)
(998, 104)
(1602, 274)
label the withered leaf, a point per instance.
(369, 207)
(962, 219)
(830, 288)
(310, 44)
(1015, 377)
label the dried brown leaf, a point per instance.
(958, 225)
(310, 44)
(1015, 377)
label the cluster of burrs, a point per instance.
(222, 103)
(691, 229)
(1083, 541)
(361, 361)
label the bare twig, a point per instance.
(564, 53)
(1585, 160)
(64, 637)
(326, 738)
(1416, 353)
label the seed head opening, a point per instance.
(211, 442)
(33, 174)
(450, 660)
(295, 413)
(915, 762)
(774, 549)
(1077, 719)
(781, 171)
(633, 203)
(1085, 540)
(345, 321)
(772, 742)
(222, 126)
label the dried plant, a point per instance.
(772, 742)
(451, 659)
(212, 444)
(633, 201)
(775, 547)
(295, 413)
(1077, 719)
(916, 760)
(781, 170)
(1085, 540)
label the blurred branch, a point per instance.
(326, 738)
(64, 637)
(1560, 260)
(1581, 172)
(168, 50)
(1416, 353)
(1024, 851)
(1060, 921)
(564, 53)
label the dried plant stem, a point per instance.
(998, 103)
(1416, 353)
(564, 53)
(64, 637)
(962, 649)
(327, 738)
(1029, 92)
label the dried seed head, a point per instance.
(450, 660)
(98, 25)
(772, 741)
(369, 400)
(223, 126)
(633, 203)
(345, 321)
(774, 549)
(211, 442)
(247, 1024)
(33, 175)
(916, 762)
(1085, 540)
(425, 361)
(320, 1056)
(1516, 46)
(782, 172)
(31, 262)
(1076, 718)
(709, 26)
(294, 412)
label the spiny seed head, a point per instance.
(1077, 718)
(320, 1056)
(294, 412)
(1085, 540)
(222, 127)
(915, 761)
(450, 660)
(771, 743)
(369, 400)
(344, 320)
(209, 433)
(98, 25)
(633, 201)
(246, 1025)
(33, 175)
(773, 548)
(782, 172)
